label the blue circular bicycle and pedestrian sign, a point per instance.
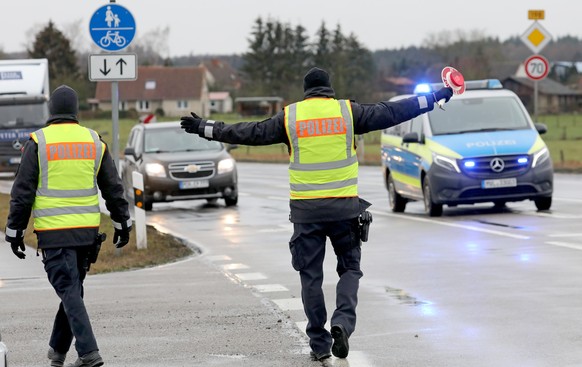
(112, 27)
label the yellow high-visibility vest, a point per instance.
(323, 161)
(69, 157)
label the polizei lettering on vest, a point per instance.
(61, 151)
(321, 127)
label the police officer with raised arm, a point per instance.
(63, 165)
(320, 135)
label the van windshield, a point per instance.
(478, 114)
(23, 115)
(174, 139)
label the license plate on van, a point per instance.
(198, 184)
(502, 182)
(14, 160)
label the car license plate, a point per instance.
(198, 184)
(502, 182)
(14, 160)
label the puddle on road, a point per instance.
(404, 298)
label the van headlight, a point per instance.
(446, 162)
(155, 170)
(225, 165)
(540, 157)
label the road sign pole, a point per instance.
(535, 101)
(115, 122)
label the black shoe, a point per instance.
(92, 359)
(57, 359)
(319, 356)
(340, 347)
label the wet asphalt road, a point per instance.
(476, 287)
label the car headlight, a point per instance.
(155, 170)
(225, 165)
(446, 162)
(540, 157)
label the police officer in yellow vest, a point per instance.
(63, 165)
(320, 134)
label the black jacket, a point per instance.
(367, 117)
(24, 192)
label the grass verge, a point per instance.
(162, 248)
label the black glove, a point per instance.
(444, 93)
(121, 237)
(191, 123)
(17, 244)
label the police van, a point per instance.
(483, 147)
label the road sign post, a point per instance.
(112, 28)
(536, 68)
(536, 38)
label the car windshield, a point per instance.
(174, 139)
(478, 114)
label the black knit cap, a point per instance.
(316, 77)
(64, 102)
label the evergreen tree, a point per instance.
(50, 43)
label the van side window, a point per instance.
(416, 126)
(398, 130)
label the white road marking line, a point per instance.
(575, 246)
(553, 215)
(234, 266)
(456, 225)
(263, 288)
(565, 235)
(567, 199)
(289, 304)
(219, 258)
(277, 198)
(250, 276)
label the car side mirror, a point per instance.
(131, 152)
(541, 128)
(410, 138)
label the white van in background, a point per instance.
(24, 94)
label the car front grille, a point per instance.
(191, 170)
(483, 166)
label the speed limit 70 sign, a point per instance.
(537, 67)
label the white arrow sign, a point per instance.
(112, 67)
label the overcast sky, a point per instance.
(223, 26)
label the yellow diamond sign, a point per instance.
(536, 37)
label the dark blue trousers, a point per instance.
(307, 255)
(66, 273)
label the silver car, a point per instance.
(178, 166)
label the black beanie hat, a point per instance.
(316, 77)
(64, 101)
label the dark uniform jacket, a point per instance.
(24, 192)
(367, 117)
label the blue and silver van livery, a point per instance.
(483, 147)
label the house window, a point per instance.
(150, 85)
(182, 104)
(122, 106)
(142, 105)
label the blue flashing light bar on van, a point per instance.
(469, 85)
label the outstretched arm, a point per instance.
(266, 132)
(382, 115)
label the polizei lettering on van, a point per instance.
(490, 143)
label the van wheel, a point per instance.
(430, 207)
(148, 205)
(231, 200)
(396, 201)
(499, 204)
(543, 203)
